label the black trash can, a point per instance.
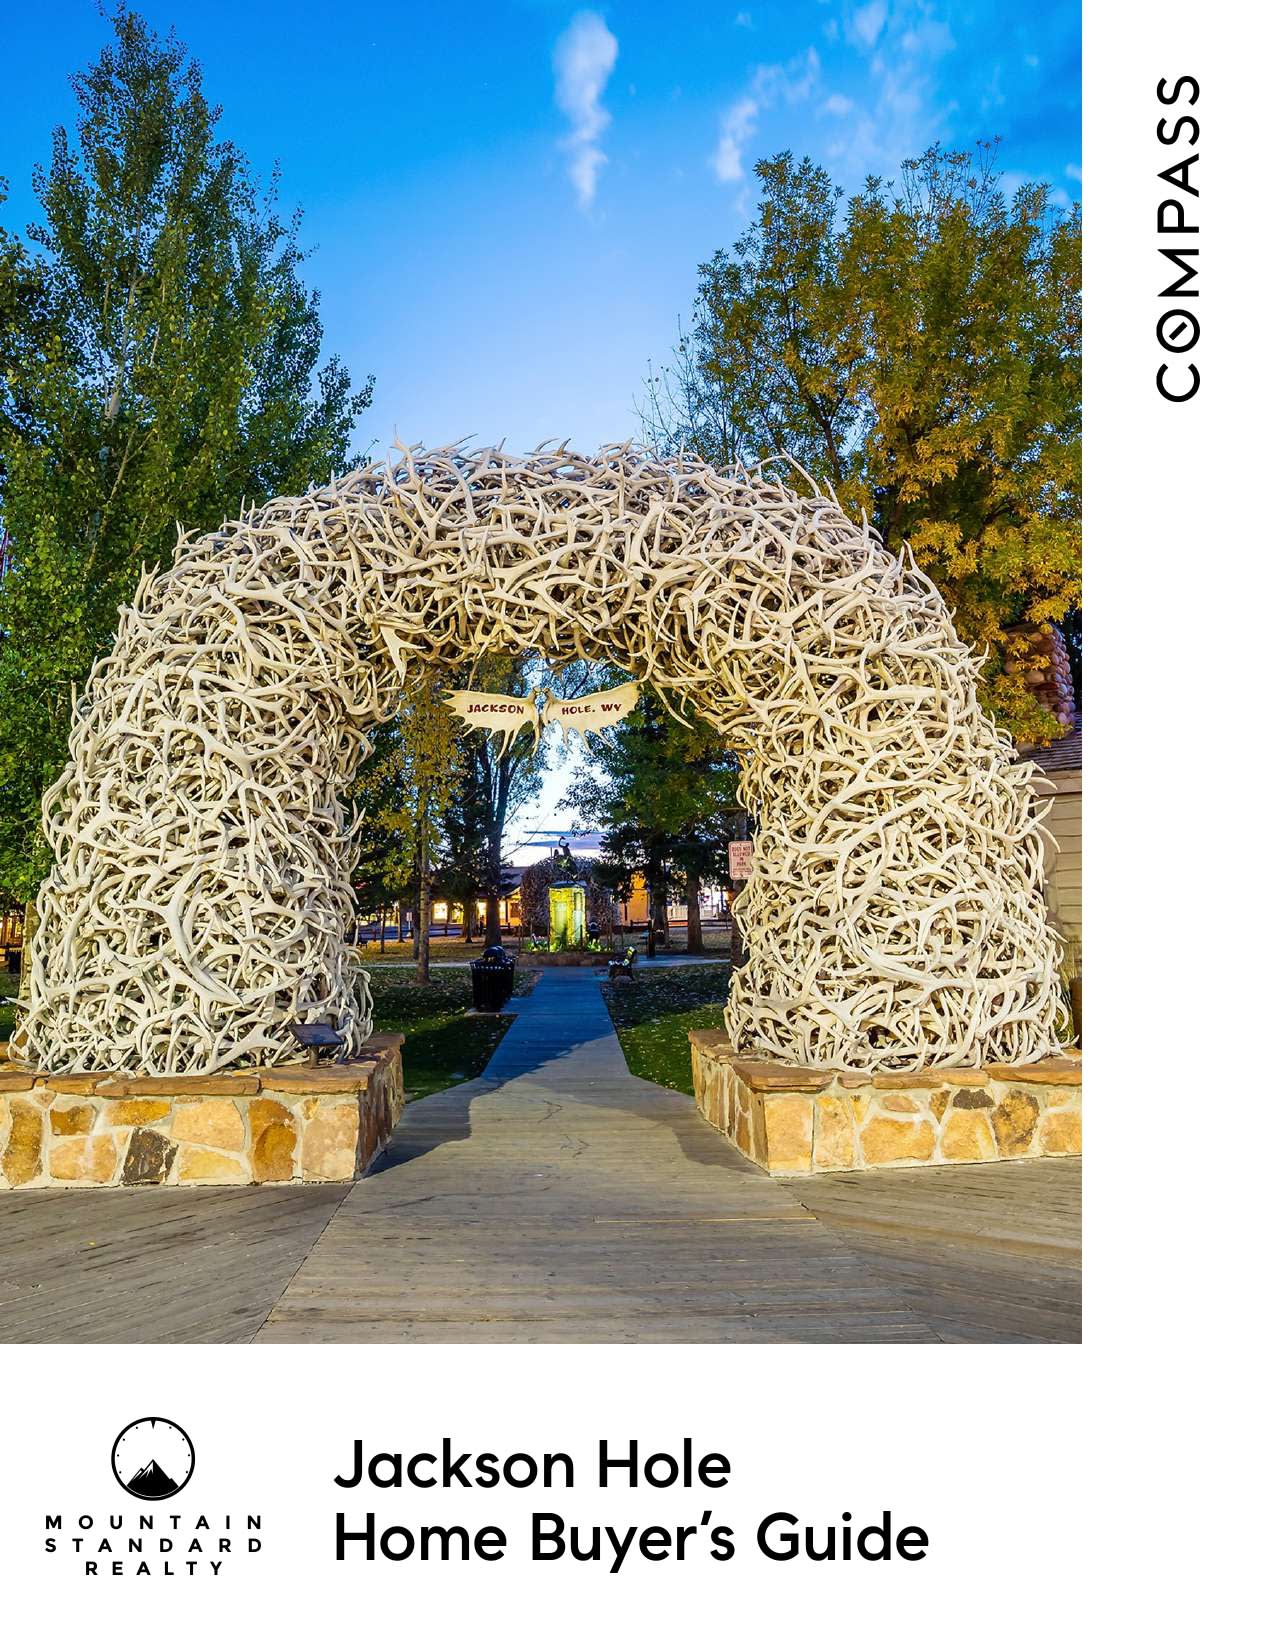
(493, 977)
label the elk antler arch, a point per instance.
(200, 898)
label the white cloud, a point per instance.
(899, 103)
(1073, 172)
(738, 125)
(744, 20)
(792, 82)
(868, 22)
(897, 111)
(929, 39)
(583, 59)
(836, 105)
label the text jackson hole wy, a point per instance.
(152, 1543)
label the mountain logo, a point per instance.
(151, 1482)
(153, 1458)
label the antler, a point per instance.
(201, 892)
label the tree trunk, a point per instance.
(736, 938)
(469, 919)
(657, 909)
(28, 935)
(495, 841)
(694, 929)
(422, 928)
(382, 917)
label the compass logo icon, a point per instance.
(153, 1458)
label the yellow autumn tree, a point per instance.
(409, 791)
(917, 349)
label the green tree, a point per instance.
(24, 325)
(384, 851)
(502, 777)
(439, 797)
(425, 773)
(662, 792)
(170, 371)
(508, 775)
(917, 350)
(462, 875)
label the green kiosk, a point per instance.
(566, 916)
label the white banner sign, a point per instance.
(509, 715)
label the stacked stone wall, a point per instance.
(800, 1120)
(246, 1128)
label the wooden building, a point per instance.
(1061, 762)
(1049, 678)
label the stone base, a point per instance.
(796, 1120)
(238, 1128)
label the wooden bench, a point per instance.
(622, 965)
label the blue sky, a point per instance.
(507, 202)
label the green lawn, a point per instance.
(443, 1045)
(653, 1015)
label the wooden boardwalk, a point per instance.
(151, 1263)
(557, 1198)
